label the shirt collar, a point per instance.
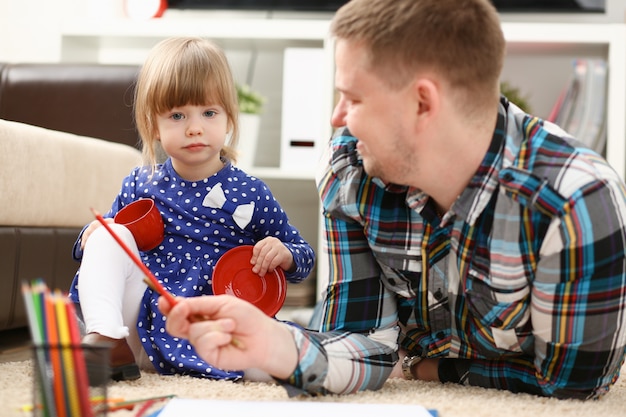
(475, 197)
(472, 201)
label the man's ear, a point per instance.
(426, 95)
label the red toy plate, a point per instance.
(233, 275)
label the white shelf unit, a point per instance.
(95, 41)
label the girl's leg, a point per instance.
(110, 288)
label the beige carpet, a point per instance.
(450, 400)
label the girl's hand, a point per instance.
(90, 229)
(270, 253)
(261, 341)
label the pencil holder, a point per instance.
(70, 380)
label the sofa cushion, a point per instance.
(52, 178)
(92, 100)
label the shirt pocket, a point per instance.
(400, 270)
(499, 309)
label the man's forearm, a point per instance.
(342, 362)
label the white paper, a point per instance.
(178, 407)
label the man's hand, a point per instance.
(233, 333)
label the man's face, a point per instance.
(381, 118)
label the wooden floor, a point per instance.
(15, 345)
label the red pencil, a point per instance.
(156, 285)
(152, 281)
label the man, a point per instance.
(468, 242)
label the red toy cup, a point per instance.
(233, 275)
(143, 219)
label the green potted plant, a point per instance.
(250, 101)
(515, 95)
(250, 108)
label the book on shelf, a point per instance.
(581, 107)
(595, 124)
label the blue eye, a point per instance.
(210, 113)
(177, 116)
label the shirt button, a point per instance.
(508, 177)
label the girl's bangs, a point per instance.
(187, 89)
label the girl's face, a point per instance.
(193, 136)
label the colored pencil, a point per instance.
(70, 387)
(155, 282)
(33, 311)
(82, 380)
(62, 373)
(52, 337)
(151, 281)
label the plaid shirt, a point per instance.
(520, 286)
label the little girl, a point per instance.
(186, 100)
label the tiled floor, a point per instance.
(15, 345)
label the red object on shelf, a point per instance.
(162, 9)
(145, 9)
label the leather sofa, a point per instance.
(67, 138)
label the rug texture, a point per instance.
(450, 400)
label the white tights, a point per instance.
(110, 287)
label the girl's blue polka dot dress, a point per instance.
(199, 228)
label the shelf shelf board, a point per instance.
(265, 29)
(567, 33)
(306, 29)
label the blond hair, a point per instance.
(461, 40)
(183, 71)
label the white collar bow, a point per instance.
(242, 213)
